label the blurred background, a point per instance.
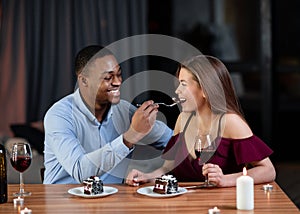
(258, 40)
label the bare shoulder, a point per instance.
(235, 127)
(181, 121)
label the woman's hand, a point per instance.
(215, 174)
(136, 177)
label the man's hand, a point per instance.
(142, 122)
(144, 118)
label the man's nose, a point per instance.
(117, 80)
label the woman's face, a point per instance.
(190, 90)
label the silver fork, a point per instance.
(176, 101)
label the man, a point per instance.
(92, 131)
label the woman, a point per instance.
(211, 107)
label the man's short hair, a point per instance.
(85, 54)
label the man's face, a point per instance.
(104, 79)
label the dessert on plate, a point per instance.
(166, 184)
(92, 186)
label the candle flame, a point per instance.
(244, 171)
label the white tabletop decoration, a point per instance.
(245, 192)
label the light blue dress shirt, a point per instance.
(77, 145)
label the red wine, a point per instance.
(198, 153)
(20, 163)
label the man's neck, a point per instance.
(101, 111)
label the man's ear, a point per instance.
(82, 79)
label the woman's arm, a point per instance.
(262, 172)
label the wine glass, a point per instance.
(204, 150)
(21, 156)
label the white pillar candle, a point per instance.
(244, 192)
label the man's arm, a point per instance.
(64, 151)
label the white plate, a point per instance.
(148, 191)
(107, 190)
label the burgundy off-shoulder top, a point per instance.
(231, 155)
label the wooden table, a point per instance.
(55, 199)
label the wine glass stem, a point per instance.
(206, 179)
(21, 183)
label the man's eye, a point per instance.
(108, 78)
